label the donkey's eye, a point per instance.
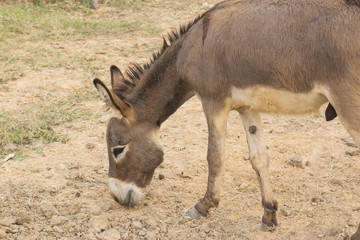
(118, 151)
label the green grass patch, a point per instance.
(38, 22)
(35, 123)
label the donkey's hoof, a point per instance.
(266, 228)
(194, 214)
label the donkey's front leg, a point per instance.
(260, 163)
(216, 116)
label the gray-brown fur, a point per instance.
(140, 163)
(293, 46)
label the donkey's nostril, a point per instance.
(130, 198)
(116, 199)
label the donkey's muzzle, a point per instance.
(126, 194)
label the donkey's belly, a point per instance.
(270, 100)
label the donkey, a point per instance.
(252, 56)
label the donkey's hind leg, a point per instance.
(260, 163)
(345, 97)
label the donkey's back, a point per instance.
(295, 46)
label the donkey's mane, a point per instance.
(133, 73)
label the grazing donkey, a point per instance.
(252, 56)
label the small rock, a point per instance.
(57, 229)
(108, 205)
(202, 235)
(307, 164)
(351, 143)
(317, 199)
(246, 158)
(97, 210)
(125, 235)
(150, 236)
(35, 170)
(296, 162)
(352, 152)
(58, 220)
(205, 5)
(243, 186)
(283, 150)
(136, 225)
(204, 228)
(333, 231)
(111, 234)
(163, 228)
(320, 235)
(335, 182)
(151, 224)
(2, 233)
(161, 176)
(351, 223)
(104, 119)
(142, 233)
(22, 219)
(286, 212)
(62, 166)
(90, 146)
(52, 192)
(74, 209)
(100, 223)
(7, 222)
(194, 225)
(346, 237)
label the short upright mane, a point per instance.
(133, 73)
(353, 2)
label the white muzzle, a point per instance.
(125, 193)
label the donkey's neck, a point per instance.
(161, 91)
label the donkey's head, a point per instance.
(133, 147)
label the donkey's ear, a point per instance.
(119, 107)
(116, 75)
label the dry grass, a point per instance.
(33, 37)
(39, 35)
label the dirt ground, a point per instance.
(61, 193)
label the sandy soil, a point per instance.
(62, 193)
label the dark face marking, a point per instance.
(252, 129)
(133, 153)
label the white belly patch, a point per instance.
(270, 100)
